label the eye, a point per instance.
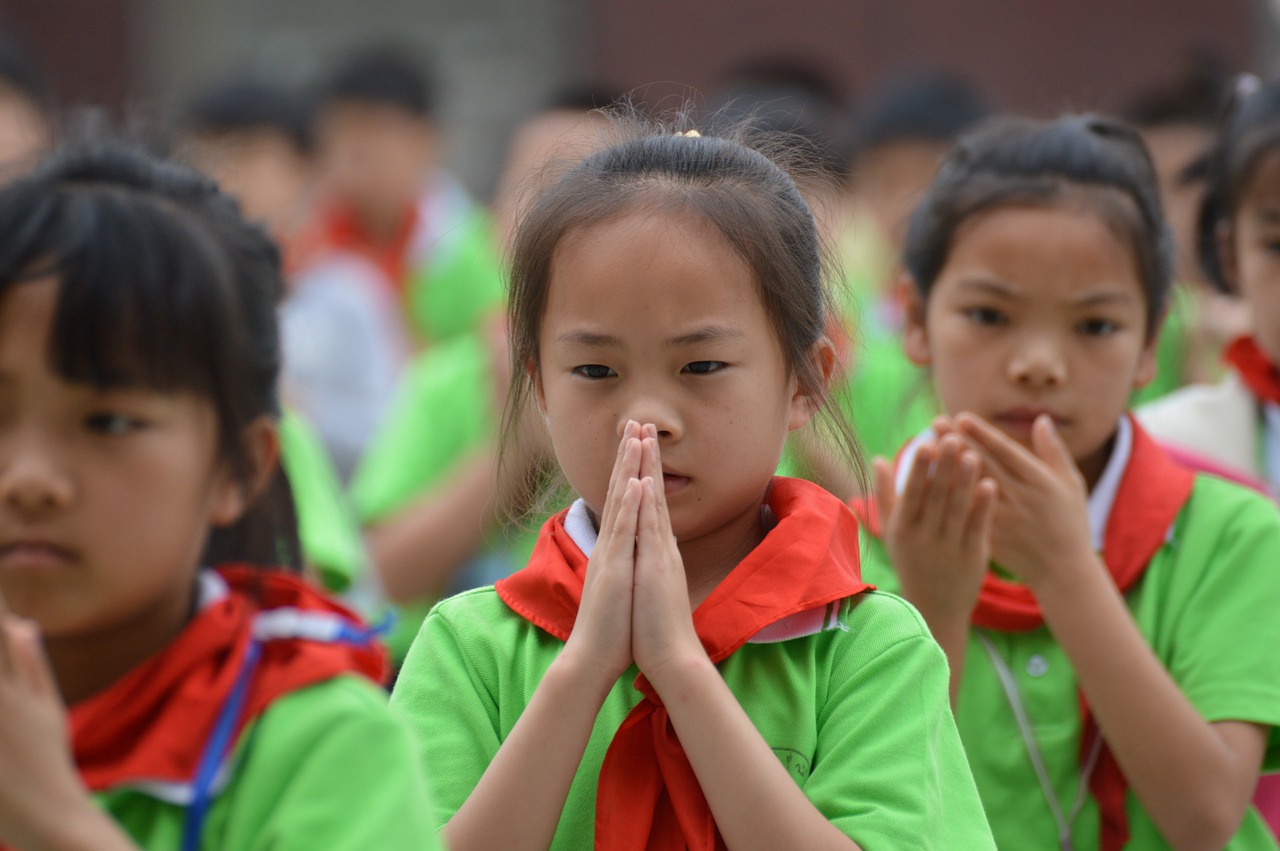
(594, 371)
(704, 367)
(1098, 327)
(111, 423)
(985, 316)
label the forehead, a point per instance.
(1048, 250)
(649, 267)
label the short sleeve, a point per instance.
(451, 710)
(1216, 624)
(889, 770)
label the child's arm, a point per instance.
(937, 534)
(43, 804)
(418, 549)
(1196, 789)
(755, 802)
(519, 799)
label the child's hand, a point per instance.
(1042, 515)
(662, 632)
(38, 782)
(938, 531)
(601, 637)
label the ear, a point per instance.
(232, 495)
(915, 329)
(804, 405)
(1224, 235)
(1146, 370)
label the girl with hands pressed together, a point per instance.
(1109, 615)
(690, 659)
(164, 681)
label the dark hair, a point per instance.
(1250, 131)
(790, 103)
(383, 76)
(162, 284)
(747, 196)
(246, 104)
(1016, 162)
(929, 106)
(1194, 94)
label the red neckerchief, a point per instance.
(1255, 368)
(344, 232)
(1152, 492)
(152, 724)
(648, 796)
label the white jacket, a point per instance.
(1219, 422)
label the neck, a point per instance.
(84, 665)
(710, 558)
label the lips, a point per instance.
(673, 481)
(1022, 418)
(33, 554)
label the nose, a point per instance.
(1038, 361)
(31, 478)
(652, 406)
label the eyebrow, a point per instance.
(699, 335)
(1091, 300)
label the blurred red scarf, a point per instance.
(648, 796)
(1255, 368)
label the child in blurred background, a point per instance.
(386, 197)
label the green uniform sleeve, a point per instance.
(889, 769)
(329, 767)
(327, 528)
(461, 283)
(452, 710)
(1216, 620)
(443, 409)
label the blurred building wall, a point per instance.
(1035, 57)
(497, 60)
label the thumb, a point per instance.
(1049, 446)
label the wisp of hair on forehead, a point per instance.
(1083, 161)
(749, 198)
(161, 285)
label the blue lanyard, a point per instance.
(216, 748)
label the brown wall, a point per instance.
(1036, 56)
(84, 47)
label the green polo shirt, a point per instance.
(459, 284)
(857, 714)
(1208, 606)
(324, 767)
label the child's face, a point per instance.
(652, 316)
(261, 169)
(105, 496)
(1255, 239)
(374, 157)
(1037, 310)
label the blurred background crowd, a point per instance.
(388, 146)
